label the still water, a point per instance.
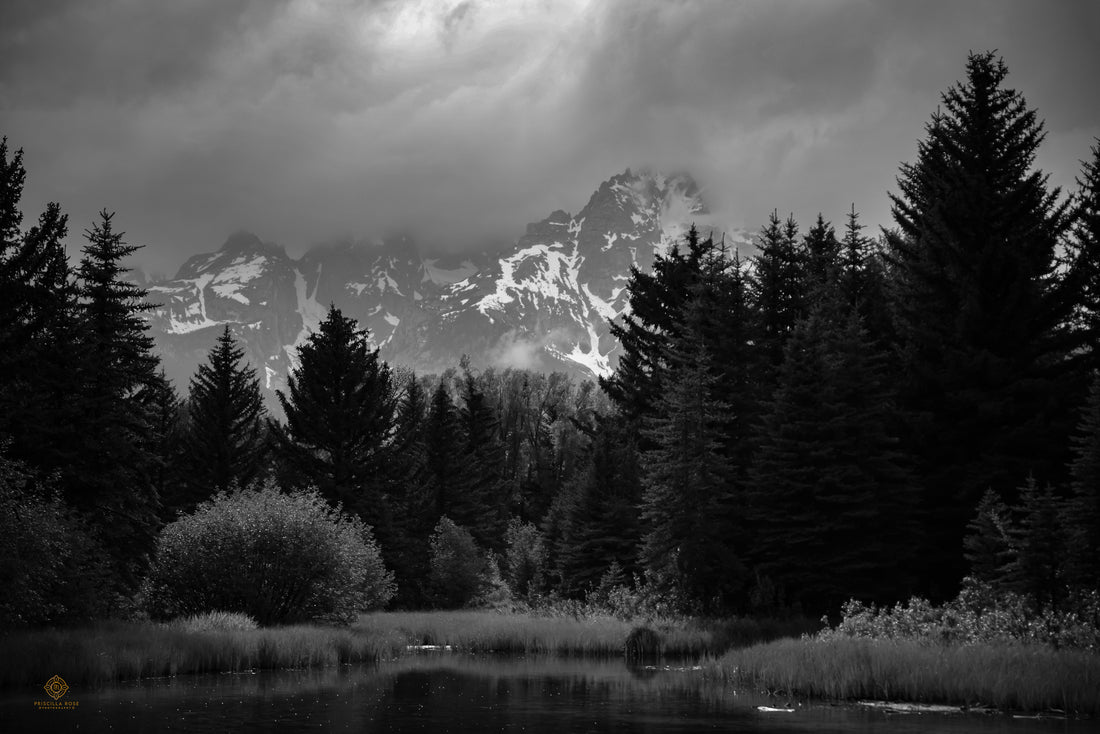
(445, 692)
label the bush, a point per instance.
(51, 568)
(642, 599)
(524, 558)
(980, 614)
(281, 558)
(459, 571)
(214, 622)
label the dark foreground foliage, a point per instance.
(281, 558)
(1014, 677)
(781, 433)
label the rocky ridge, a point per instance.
(543, 304)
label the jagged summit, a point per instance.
(543, 303)
(241, 241)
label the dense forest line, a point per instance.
(838, 416)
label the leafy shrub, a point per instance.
(643, 599)
(214, 622)
(459, 571)
(51, 568)
(524, 558)
(280, 558)
(980, 614)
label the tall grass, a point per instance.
(1005, 676)
(111, 652)
(592, 634)
(218, 642)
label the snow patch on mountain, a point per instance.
(447, 276)
(194, 315)
(311, 311)
(602, 307)
(595, 362)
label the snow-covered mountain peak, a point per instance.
(545, 302)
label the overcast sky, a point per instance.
(462, 120)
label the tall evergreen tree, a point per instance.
(980, 314)
(987, 543)
(163, 442)
(13, 273)
(484, 454)
(725, 321)
(602, 521)
(777, 290)
(450, 478)
(1083, 266)
(225, 439)
(34, 270)
(413, 510)
(1083, 508)
(854, 251)
(688, 481)
(115, 469)
(832, 504)
(38, 332)
(339, 409)
(656, 303)
(822, 253)
(864, 279)
(1037, 547)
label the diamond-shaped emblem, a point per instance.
(56, 687)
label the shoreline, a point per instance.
(896, 676)
(1020, 678)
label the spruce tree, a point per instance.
(1037, 546)
(486, 513)
(34, 270)
(163, 443)
(450, 474)
(114, 472)
(987, 543)
(13, 273)
(853, 258)
(656, 304)
(832, 505)
(339, 408)
(688, 482)
(864, 279)
(39, 335)
(726, 322)
(822, 253)
(225, 439)
(413, 511)
(1083, 266)
(1083, 508)
(602, 516)
(777, 291)
(981, 319)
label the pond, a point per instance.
(448, 692)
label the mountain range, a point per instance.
(544, 303)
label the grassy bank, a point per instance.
(1005, 676)
(593, 634)
(112, 652)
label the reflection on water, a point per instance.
(445, 692)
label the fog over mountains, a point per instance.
(544, 304)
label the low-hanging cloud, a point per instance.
(459, 122)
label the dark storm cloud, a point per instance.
(462, 121)
(56, 54)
